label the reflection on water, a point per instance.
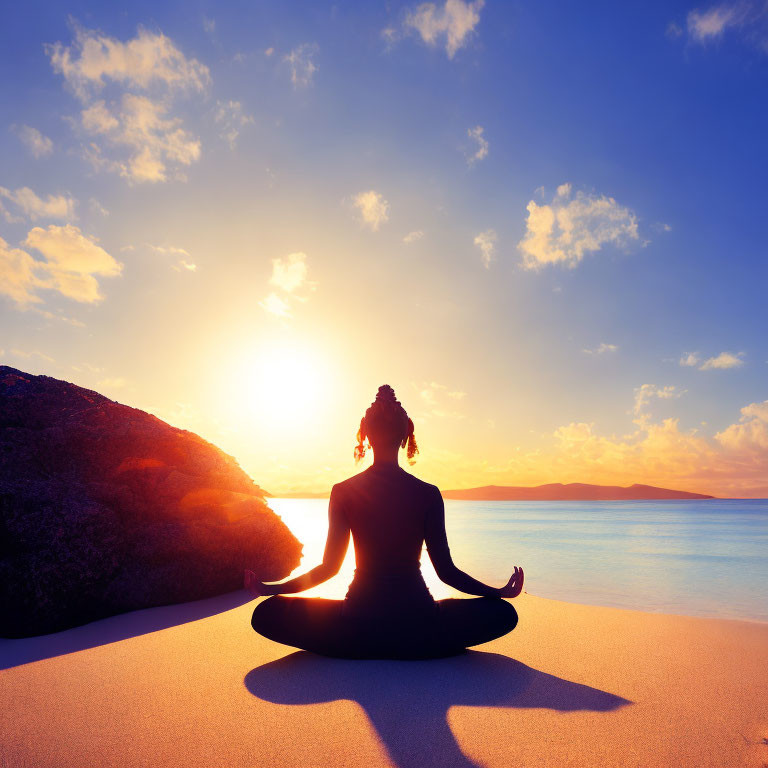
(702, 558)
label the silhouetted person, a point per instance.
(388, 612)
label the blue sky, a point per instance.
(419, 161)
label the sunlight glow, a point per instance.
(277, 387)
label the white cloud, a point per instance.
(290, 273)
(571, 226)
(31, 206)
(302, 65)
(71, 261)
(601, 349)
(373, 208)
(185, 265)
(690, 359)
(37, 143)
(147, 60)
(450, 25)
(645, 393)
(412, 237)
(139, 125)
(231, 119)
(709, 24)
(750, 432)
(275, 306)
(167, 250)
(486, 242)
(723, 361)
(481, 151)
(134, 121)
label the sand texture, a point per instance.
(193, 685)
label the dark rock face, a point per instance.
(106, 509)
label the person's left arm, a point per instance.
(335, 550)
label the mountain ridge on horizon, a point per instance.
(546, 492)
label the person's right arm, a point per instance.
(335, 549)
(440, 554)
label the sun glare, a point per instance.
(279, 386)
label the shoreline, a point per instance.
(573, 685)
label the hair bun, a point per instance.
(386, 394)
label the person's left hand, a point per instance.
(255, 587)
(514, 586)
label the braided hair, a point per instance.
(386, 417)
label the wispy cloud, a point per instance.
(480, 150)
(290, 278)
(231, 119)
(289, 274)
(301, 61)
(412, 237)
(645, 393)
(274, 305)
(37, 143)
(26, 202)
(722, 361)
(573, 225)
(133, 132)
(712, 22)
(449, 26)
(70, 264)
(601, 349)
(747, 20)
(440, 400)
(372, 207)
(486, 242)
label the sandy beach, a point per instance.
(573, 685)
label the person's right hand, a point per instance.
(255, 587)
(515, 584)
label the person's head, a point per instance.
(386, 425)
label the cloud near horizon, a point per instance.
(71, 262)
(572, 226)
(734, 462)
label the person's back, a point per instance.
(387, 511)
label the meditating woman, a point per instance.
(388, 612)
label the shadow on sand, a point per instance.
(24, 650)
(408, 701)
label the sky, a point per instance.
(544, 224)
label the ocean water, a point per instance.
(696, 558)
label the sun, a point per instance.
(280, 386)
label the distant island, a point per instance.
(548, 492)
(570, 492)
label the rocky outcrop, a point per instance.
(106, 509)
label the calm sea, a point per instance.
(697, 558)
